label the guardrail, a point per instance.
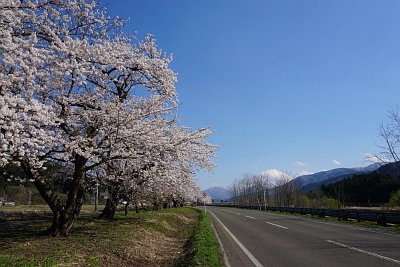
(380, 217)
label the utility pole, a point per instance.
(204, 202)
(30, 198)
(265, 203)
(96, 199)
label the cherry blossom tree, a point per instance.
(163, 169)
(76, 92)
(67, 94)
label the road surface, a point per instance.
(258, 238)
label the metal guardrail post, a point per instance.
(381, 218)
(322, 213)
(345, 215)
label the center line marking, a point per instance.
(364, 251)
(266, 214)
(277, 225)
(250, 217)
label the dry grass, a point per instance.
(145, 239)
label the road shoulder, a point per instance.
(233, 254)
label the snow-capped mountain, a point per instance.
(218, 193)
(311, 181)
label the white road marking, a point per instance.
(364, 251)
(250, 217)
(265, 214)
(248, 253)
(232, 212)
(277, 225)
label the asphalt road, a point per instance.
(258, 238)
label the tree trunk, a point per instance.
(136, 208)
(63, 221)
(111, 205)
(143, 206)
(109, 209)
(156, 205)
(59, 227)
(126, 208)
(64, 215)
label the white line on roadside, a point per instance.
(248, 253)
(364, 251)
(250, 217)
(277, 225)
(226, 260)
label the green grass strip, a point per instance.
(21, 262)
(205, 246)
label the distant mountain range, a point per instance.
(218, 193)
(390, 169)
(312, 181)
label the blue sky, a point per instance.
(281, 82)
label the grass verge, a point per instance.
(152, 238)
(205, 248)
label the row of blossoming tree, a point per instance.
(77, 92)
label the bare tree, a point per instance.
(251, 190)
(260, 189)
(390, 132)
(390, 149)
(286, 192)
(234, 190)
